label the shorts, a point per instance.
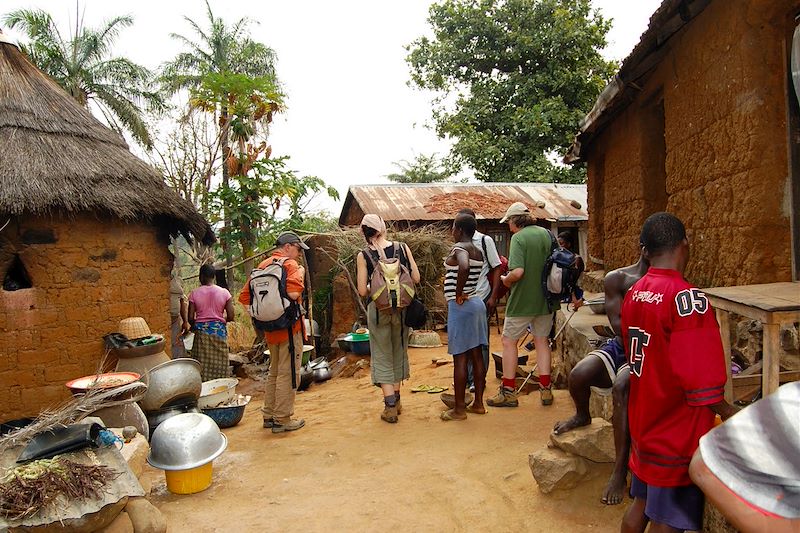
(613, 357)
(678, 507)
(514, 327)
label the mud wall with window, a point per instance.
(706, 139)
(66, 283)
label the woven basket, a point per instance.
(424, 339)
(134, 327)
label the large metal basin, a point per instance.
(171, 383)
(186, 441)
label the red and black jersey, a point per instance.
(672, 342)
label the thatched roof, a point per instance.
(56, 157)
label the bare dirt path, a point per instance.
(349, 471)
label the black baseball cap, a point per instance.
(289, 237)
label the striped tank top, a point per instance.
(451, 277)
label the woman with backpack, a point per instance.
(466, 317)
(388, 335)
(210, 308)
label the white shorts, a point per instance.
(514, 327)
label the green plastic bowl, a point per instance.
(360, 336)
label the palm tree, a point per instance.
(83, 66)
(218, 49)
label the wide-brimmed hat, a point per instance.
(134, 327)
(517, 208)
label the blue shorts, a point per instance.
(678, 507)
(613, 357)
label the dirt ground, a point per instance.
(349, 470)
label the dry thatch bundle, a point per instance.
(428, 244)
(58, 157)
(29, 488)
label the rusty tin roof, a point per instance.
(441, 201)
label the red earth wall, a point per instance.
(92, 273)
(720, 90)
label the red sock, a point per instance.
(510, 383)
(544, 380)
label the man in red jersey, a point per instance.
(672, 342)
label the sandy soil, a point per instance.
(348, 470)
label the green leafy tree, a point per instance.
(219, 49)
(424, 169)
(514, 77)
(83, 64)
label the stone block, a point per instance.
(135, 452)
(555, 470)
(145, 516)
(594, 442)
(601, 405)
(121, 524)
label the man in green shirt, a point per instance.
(527, 305)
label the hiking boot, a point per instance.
(546, 394)
(399, 407)
(291, 425)
(389, 414)
(268, 423)
(505, 398)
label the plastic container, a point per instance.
(189, 481)
(188, 341)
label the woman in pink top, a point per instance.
(210, 308)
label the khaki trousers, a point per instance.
(278, 393)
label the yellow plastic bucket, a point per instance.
(189, 481)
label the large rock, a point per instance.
(121, 524)
(594, 442)
(601, 404)
(555, 470)
(145, 516)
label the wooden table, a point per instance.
(772, 304)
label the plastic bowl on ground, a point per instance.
(190, 481)
(308, 351)
(359, 336)
(358, 347)
(216, 392)
(228, 415)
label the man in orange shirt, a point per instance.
(280, 391)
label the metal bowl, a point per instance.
(171, 383)
(186, 441)
(217, 392)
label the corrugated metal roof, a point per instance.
(441, 201)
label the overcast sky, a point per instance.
(350, 111)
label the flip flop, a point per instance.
(473, 410)
(436, 390)
(421, 388)
(449, 415)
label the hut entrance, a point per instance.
(17, 276)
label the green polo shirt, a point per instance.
(530, 248)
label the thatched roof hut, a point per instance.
(84, 236)
(57, 156)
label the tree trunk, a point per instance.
(226, 212)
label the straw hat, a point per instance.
(134, 327)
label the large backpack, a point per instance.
(560, 274)
(390, 286)
(270, 305)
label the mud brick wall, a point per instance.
(87, 275)
(719, 96)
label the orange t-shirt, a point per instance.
(294, 283)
